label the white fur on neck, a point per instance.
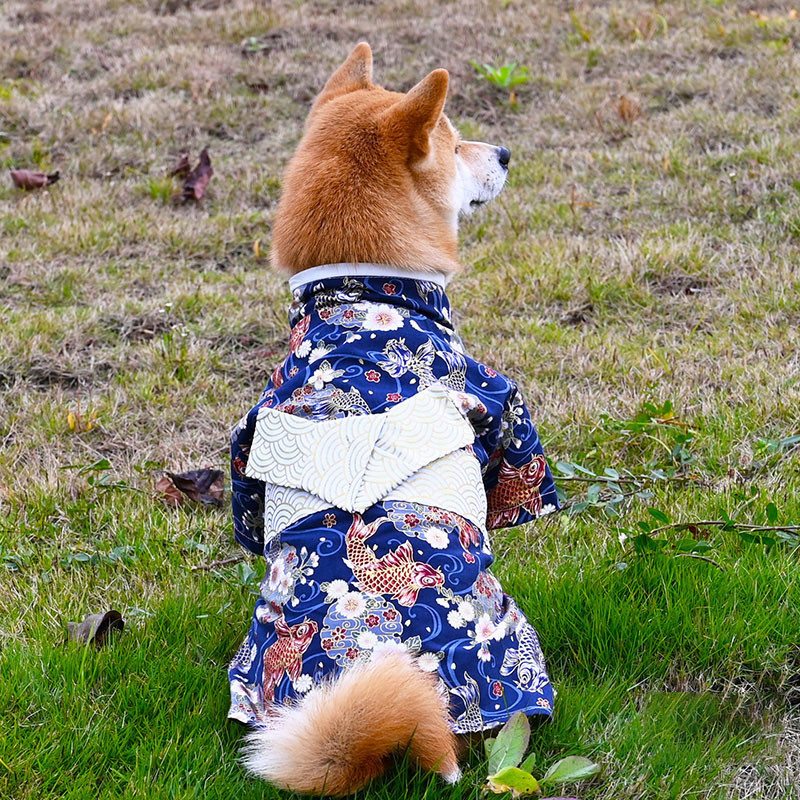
(363, 269)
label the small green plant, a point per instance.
(506, 77)
(160, 189)
(509, 773)
(122, 554)
(581, 31)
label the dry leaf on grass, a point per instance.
(169, 492)
(204, 486)
(182, 167)
(25, 179)
(629, 108)
(196, 183)
(96, 628)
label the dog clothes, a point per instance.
(369, 475)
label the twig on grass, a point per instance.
(730, 524)
(700, 558)
(623, 479)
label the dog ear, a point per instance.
(416, 115)
(355, 73)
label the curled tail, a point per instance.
(342, 733)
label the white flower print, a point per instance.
(388, 646)
(266, 614)
(351, 605)
(466, 610)
(512, 416)
(325, 373)
(484, 654)
(500, 631)
(279, 576)
(428, 662)
(336, 589)
(320, 351)
(436, 537)
(455, 619)
(548, 509)
(303, 349)
(367, 640)
(303, 684)
(484, 628)
(381, 317)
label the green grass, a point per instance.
(643, 252)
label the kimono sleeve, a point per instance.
(519, 484)
(247, 494)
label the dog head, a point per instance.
(381, 176)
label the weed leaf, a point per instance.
(772, 513)
(488, 744)
(529, 762)
(659, 515)
(570, 769)
(511, 743)
(514, 780)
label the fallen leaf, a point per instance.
(96, 628)
(182, 167)
(204, 486)
(171, 495)
(196, 183)
(628, 108)
(25, 179)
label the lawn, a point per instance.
(639, 278)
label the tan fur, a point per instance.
(372, 177)
(341, 735)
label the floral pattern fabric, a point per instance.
(340, 586)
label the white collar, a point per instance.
(363, 269)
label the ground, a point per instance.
(644, 252)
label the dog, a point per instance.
(377, 460)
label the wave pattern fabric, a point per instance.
(356, 461)
(369, 474)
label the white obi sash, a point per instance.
(413, 452)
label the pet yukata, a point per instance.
(369, 474)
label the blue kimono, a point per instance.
(369, 475)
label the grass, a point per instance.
(645, 250)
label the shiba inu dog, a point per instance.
(381, 177)
(378, 458)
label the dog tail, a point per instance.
(341, 734)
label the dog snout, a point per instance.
(503, 156)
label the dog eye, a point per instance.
(458, 147)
